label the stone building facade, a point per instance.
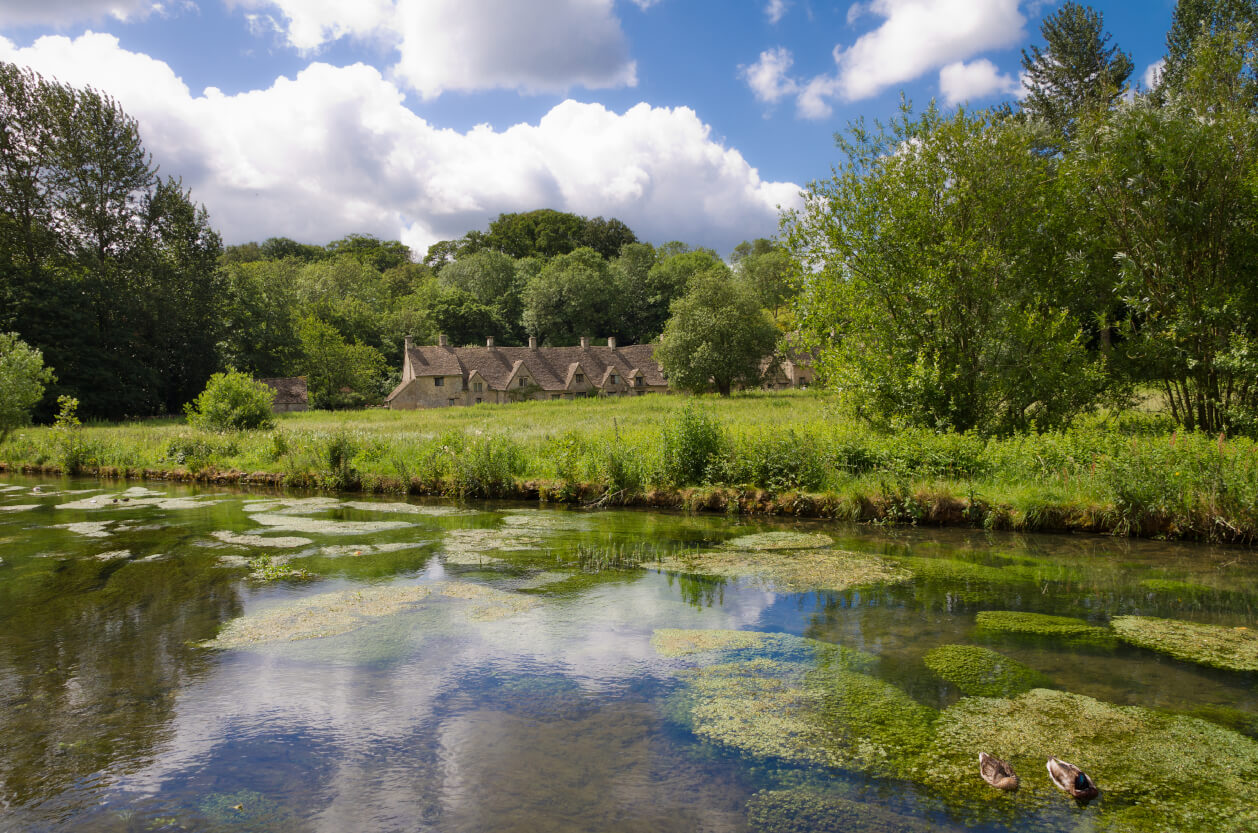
(441, 376)
(290, 394)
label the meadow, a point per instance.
(1128, 473)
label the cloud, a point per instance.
(539, 46)
(776, 9)
(65, 12)
(334, 150)
(918, 36)
(961, 82)
(768, 77)
(1153, 73)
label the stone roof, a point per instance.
(290, 390)
(550, 367)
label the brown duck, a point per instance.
(997, 772)
(1072, 780)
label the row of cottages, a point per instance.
(441, 376)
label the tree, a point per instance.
(1195, 19)
(717, 336)
(933, 277)
(491, 279)
(639, 316)
(339, 375)
(259, 335)
(22, 380)
(232, 401)
(368, 250)
(571, 297)
(766, 267)
(1076, 71)
(1172, 179)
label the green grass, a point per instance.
(789, 453)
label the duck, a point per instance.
(996, 772)
(1072, 780)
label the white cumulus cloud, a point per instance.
(961, 82)
(334, 150)
(65, 12)
(768, 76)
(1153, 73)
(538, 46)
(775, 10)
(918, 36)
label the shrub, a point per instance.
(232, 401)
(73, 452)
(22, 380)
(692, 442)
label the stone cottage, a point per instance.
(442, 376)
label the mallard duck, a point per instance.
(996, 772)
(1070, 779)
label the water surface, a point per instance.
(523, 691)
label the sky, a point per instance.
(419, 120)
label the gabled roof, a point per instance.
(290, 390)
(550, 367)
(434, 361)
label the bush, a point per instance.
(692, 442)
(22, 380)
(232, 401)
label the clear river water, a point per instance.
(204, 659)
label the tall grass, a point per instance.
(1128, 473)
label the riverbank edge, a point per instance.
(922, 504)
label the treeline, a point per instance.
(339, 313)
(115, 275)
(105, 266)
(1004, 270)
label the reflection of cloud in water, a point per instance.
(600, 639)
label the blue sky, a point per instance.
(421, 119)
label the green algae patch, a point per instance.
(1215, 646)
(491, 604)
(245, 810)
(315, 617)
(1156, 771)
(407, 508)
(473, 542)
(983, 672)
(795, 700)
(1043, 626)
(239, 540)
(790, 571)
(672, 642)
(781, 540)
(319, 526)
(1171, 587)
(812, 810)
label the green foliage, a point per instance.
(22, 380)
(72, 451)
(1041, 626)
(932, 259)
(692, 442)
(338, 374)
(1195, 20)
(232, 401)
(571, 297)
(717, 335)
(1172, 181)
(1075, 72)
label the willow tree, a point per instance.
(934, 277)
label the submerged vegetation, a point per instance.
(982, 672)
(1040, 625)
(1231, 649)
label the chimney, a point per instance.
(611, 342)
(585, 342)
(532, 342)
(489, 342)
(407, 344)
(441, 340)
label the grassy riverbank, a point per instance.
(782, 453)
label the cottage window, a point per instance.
(523, 381)
(438, 381)
(478, 387)
(554, 396)
(478, 400)
(615, 381)
(637, 383)
(580, 378)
